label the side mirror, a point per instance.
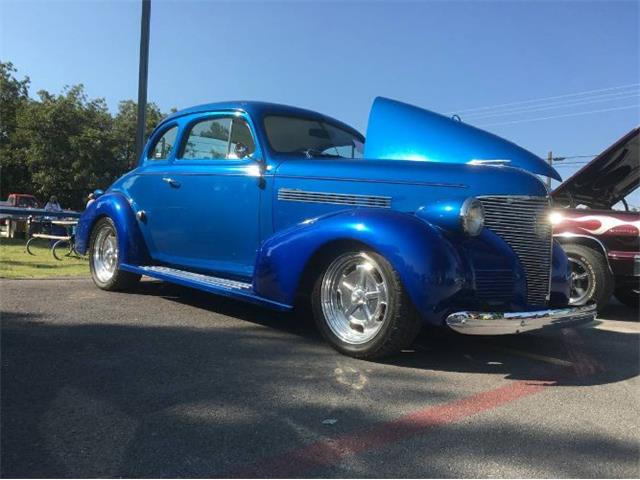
(98, 192)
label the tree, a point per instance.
(14, 96)
(65, 144)
(124, 130)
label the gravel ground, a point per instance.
(169, 382)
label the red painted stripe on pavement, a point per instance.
(328, 452)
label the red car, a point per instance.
(17, 226)
(602, 243)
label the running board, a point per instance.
(218, 285)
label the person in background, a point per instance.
(90, 199)
(53, 205)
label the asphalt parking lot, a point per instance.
(169, 382)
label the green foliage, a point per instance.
(67, 144)
(14, 96)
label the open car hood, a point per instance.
(605, 180)
(398, 131)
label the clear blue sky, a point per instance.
(335, 57)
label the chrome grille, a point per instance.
(294, 195)
(495, 285)
(523, 223)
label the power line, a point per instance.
(560, 116)
(562, 158)
(562, 164)
(489, 107)
(564, 104)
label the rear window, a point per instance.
(164, 145)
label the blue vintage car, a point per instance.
(428, 221)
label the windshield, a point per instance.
(311, 137)
(27, 202)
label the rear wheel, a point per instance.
(591, 280)
(629, 296)
(361, 308)
(104, 260)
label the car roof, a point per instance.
(258, 109)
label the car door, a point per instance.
(149, 198)
(204, 213)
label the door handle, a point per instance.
(173, 183)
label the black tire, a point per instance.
(401, 322)
(629, 296)
(601, 281)
(120, 280)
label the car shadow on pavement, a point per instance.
(566, 356)
(301, 325)
(100, 399)
(619, 312)
(107, 400)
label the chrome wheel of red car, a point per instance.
(581, 281)
(591, 280)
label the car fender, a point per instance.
(587, 240)
(131, 245)
(560, 276)
(428, 265)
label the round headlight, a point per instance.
(472, 216)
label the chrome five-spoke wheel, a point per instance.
(105, 254)
(360, 305)
(581, 281)
(591, 278)
(104, 258)
(354, 298)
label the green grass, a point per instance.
(15, 262)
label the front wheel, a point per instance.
(104, 259)
(361, 308)
(591, 280)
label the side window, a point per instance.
(242, 143)
(208, 140)
(345, 151)
(164, 145)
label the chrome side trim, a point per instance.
(295, 195)
(374, 180)
(498, 323)
(197, 277)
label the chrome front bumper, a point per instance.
(494, 323)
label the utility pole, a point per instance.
(550, 160)
(143, 74)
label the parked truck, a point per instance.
(14, 226)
